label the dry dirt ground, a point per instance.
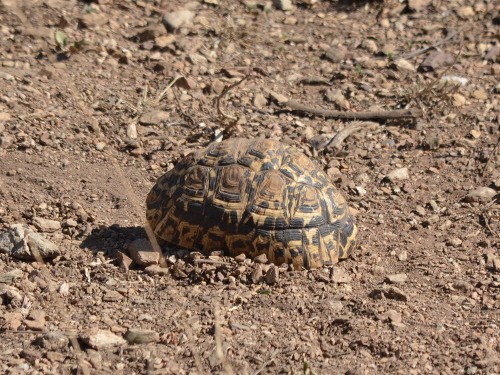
(98, 99)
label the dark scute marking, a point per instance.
(263, 232)
(257, 153)
(297, 169)
(193, 192)
(195, 178)
(305, 241)
(297, 222)
(292, 235)
(280, 223)
(214, 213)
(287, 173)
(267, 166)
(315, 241)
(348, 226)
(233, 216)
(279, 253)
(204, 161)
(270, 222)
(227, 160)
(229, 197)
(245, 161)
(215, 237)
(239, 244)
(308, 180)
(296, 252)
(316, 222)
(330, 246)
(343, 239)
(306, 209)
(194, 207)
(264, 204)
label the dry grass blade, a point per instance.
(222, 94)
(435, 45)
(490, 157)
(162, 94)
(218, 343)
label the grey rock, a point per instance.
(398, 175)
(154, 117)
(11, 276)
(272, 275)
(100, 339)
(335, 54)
(53, 341)
(175, 20)
(141, 336)
(462, 285)
(256, 274)
(283, 4)
(338, 275)
(262, 258)
(112, 296)
(397, 278)
(46, 225)
(389, 293)
(21, 242)
(435, 60)
(38, 246)
(6, 142)
(156, 270)
(433, 140)
(143, 253)
(124, 261)
(482, 195)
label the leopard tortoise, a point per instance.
(253, 196)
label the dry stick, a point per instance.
(181, 110)
(336, 141)
(222, 94)
(410, 113)
(425, 49)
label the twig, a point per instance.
(493, 153)
(336, 142)
(410, 113)
(190, 119)
(222, 94)
(437, 44)
(210, 261)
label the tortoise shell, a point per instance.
(253, 196)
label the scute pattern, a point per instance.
(253, 197)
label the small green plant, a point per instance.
(409, 44)
(267, 10)
(281, 48)
(306, 370)
(250, 6)
(390, 56)
(359, 70)
(63, 43)
(286, 36)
